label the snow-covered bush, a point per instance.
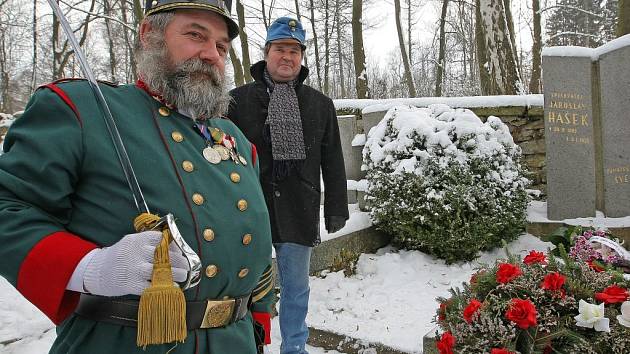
(443, 182)
(5, 122)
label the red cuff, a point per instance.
(264, 319)
(46, 271)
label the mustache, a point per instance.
(197, 69)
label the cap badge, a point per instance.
(292, 24)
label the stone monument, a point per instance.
(587, 130)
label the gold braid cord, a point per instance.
(265, 284)
(162, 311)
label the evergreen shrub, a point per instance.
(443, 182)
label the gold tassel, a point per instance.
(162, 311)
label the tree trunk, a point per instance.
(5, 98)
(34, 62)
(131, 74)
(240, 10)
(535, 83)
(327, 34)
(439, 77)
(510, 25)
(137, 12)
(299, 18)
(360, 73)
(497, 60)
(623, 24)
(316, 45)
(238, 68)
(403, 52)
(409, 25)
(342, 84)
(110, 40)
(264, 15)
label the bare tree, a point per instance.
(240, 11)
(339, 47)
(238, 68)
(535, 81)
(496, 56)
(360, 74)
(403, 52)
(299, 18)
(442, 53)
(315, 44)
(62, 52)
(35, 36)
(623, 26)
(110, 40)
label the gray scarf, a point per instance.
(284, 126)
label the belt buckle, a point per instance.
(218, 313)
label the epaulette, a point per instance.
(71, 79)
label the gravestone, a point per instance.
(347, 131)
(614, 74)
(569, 136)
(587, 130)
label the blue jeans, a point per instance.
(293, 264)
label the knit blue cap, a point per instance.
(286, 28)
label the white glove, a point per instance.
(125, 267)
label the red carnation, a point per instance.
(500, 351)
(535, 257)
(471, 309)
(446, 343)
(522, 312)
(553, 281)
(507, 272)
(612, 295)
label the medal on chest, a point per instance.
(220, 146)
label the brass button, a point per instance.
(243, 273)
(211, 271)
(197, 199)
(242, 205)
(164, 111)
(247, 239)
(208, 235)
(188, 166)
(177, 136)
(235, 177)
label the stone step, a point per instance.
(344, 344)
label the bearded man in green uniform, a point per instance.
(66, 212)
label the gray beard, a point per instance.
(192, 85)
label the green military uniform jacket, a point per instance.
(63, 193)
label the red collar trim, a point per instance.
(143, 86)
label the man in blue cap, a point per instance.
(295, 130)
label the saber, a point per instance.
(194, 262)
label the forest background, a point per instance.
(438, 47)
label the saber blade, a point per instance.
(125, 163)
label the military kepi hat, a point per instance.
(221, 7)
(286, 28)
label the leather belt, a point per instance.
(199, 314)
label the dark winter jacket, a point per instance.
(294, 203)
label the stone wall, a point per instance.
(525, 122)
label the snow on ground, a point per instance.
(390, 300)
